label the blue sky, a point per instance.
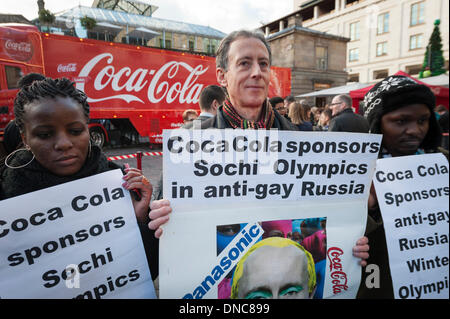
(224, 15)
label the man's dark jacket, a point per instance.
(347, 121)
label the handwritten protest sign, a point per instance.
(87, 226)
(413, 193)
(233, 191)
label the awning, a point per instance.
(105, 27)
(345, 89)
(108, 26)
(142, 32)
(440, 92)
(441, 80)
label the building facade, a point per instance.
(132, 22)
(316, 59)
(386, 36)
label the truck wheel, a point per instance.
(97, 137)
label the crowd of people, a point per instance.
(338, 115)
(51, 118)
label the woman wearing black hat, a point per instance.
(402, 110)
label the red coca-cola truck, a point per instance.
(132, 90)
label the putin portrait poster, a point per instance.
(264, 213)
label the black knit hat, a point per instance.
(397, 91)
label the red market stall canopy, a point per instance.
(440, 92)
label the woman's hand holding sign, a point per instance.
(361, 250)
(159, 215)
(135, 180)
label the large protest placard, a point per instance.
(248, 205)
(413, 195)
(87, 226)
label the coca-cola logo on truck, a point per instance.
(66, 68)
(19, 50)
(159, 85)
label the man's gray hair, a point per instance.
(346, 99)
(224, 46)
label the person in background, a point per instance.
(278, 105)
(444, 124)
(211, 98)
(287, 101)
(441, 109)
(344, 119)
(307, 109)
(298, 116)
(189, 115)
(315, 114)
(324, 120)
(52, 117)
(401, 110)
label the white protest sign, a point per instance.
(87, 226)
(413, 193)
(206, 166)
(309, 187)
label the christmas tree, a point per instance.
(433, 63)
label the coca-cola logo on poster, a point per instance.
(338, 276)
(19, 50)
(159, 85)
(66, 68)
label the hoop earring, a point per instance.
(90, 149)
(20, 166)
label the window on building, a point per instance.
(209, 45)
(381, 48)
(168, 40)
(383, 23)
(354, 31)
(321, 58)
(136, 41)
(415, 41)
(13, 74)
(413, 69)
(165, 40)
(353, 55)
(417, 13)
(191, 43)
(380, 74)
(353, 77)
(158, 41)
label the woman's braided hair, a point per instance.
(47, 88)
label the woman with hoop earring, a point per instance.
(52, 117)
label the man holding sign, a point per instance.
(242, 68)
(402, 110)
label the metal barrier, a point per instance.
(138, 155)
